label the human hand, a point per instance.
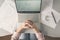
(32, 25)
(28, 24)
(23, 26)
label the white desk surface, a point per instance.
(3, 32)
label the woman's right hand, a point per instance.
(32, 25)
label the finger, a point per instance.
(29, 21)
(28, 25)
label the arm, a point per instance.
(26, 25)
(38, 34)
(36, 30)
(16, 34)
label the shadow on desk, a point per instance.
(8, 37)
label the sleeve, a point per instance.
(40, 36)
(15, 36)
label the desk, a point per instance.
(3, 32)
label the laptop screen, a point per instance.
(28, 6)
